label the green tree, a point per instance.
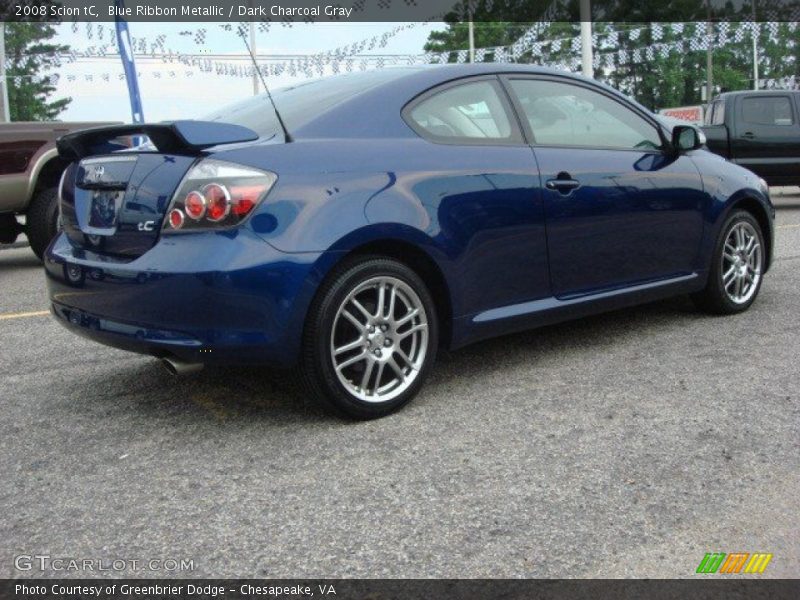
(655, 78)
(496, 23)
(487, 35)
(29, 57)
(779, 51)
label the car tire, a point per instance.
(9, 228)
(42, 220)
(361, 362)
(737, 267)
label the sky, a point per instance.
(193, 95)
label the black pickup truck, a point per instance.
(759, 130)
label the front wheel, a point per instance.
(737, 266)
(370, 339)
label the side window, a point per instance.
(718, 118)
(772, 110)
(471, 112)
(562, 114)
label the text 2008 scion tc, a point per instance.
(398, 211)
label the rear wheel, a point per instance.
(42, 220)
(737, 266)
(370, 339)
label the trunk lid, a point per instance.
(116, 203)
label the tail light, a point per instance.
(216, 195)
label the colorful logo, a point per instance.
(719, 562)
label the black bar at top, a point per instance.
(400, 10)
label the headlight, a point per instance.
(764, 185)
(216, 195)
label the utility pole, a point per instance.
(5, 111)
(471, 38)
(709, 55)
(253, 52)
(756, 29)
(253, 49)
(587, 57)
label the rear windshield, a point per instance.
(301, 103)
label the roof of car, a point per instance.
(453, 70)
(755, 93)
(433, 74)
(375, 111)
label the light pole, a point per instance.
(5, 113)
(756, 30)
(253, 50)
(709, 55)
(471, 30)
(586, 38)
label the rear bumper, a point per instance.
(206, 297)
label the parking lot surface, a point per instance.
(627, 444)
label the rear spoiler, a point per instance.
(176, 137)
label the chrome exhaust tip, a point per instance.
(175, 366)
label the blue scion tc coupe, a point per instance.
(384, 214)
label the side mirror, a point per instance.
(687, 137)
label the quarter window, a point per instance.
(469, 112)
(772, 110)
(561, 114)
(718, 117)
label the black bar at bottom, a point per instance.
(398, 589)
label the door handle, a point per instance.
(562, 185)
(748, 135)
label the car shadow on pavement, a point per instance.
(228, 395)
(599, 332)
(247, 396)
(18, 260)
(18, 255)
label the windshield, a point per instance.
(300, 103)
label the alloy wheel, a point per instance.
(741, 262)
(379, 339)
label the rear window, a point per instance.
(770, 110)
(717, 114)
(299, 104)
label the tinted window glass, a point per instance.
(301, 103)
(562, 114)
(773, 110)
(468, 111)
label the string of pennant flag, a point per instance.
(782, 83)
(611, 50)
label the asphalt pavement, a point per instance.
(627, 444)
